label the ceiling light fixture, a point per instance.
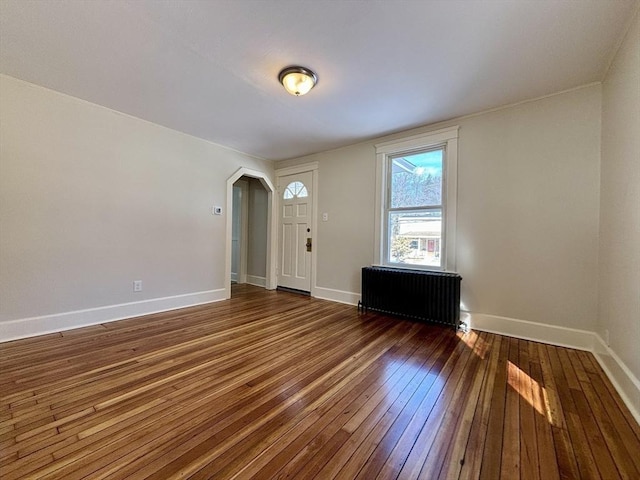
(297, 80)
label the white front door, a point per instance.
(295, 240)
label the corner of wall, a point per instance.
(622, 378)
(624, 381)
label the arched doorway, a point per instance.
(270, 280)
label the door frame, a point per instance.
(283, 172)
(272, 246)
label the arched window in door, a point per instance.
(295, 190)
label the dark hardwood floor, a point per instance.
(276, 385)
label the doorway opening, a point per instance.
(249, 246)
(249, 232)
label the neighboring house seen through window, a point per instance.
(414, 208)
(417, 201)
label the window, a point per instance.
(295, 189)
(416, 201)
(414, 208)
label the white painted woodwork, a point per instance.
(295, 226)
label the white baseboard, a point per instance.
(31, 327)
(256, 280)
(624, 381)
(340, 296)
(627, 385)
(537, 332)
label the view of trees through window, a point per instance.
(415, 208)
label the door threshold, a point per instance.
(293, 290)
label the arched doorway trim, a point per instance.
(271, 280)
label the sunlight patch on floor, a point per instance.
(532, 392)
(472, 340)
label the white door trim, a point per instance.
(305, 167)
(272, 246)
(283, 172)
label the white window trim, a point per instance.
(447, 137)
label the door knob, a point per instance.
(308, 244)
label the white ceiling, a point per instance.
(209, 67)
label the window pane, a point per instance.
(415, 237)
(295, 189)
(302, 193)
(416, 179)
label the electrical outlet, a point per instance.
(137, 285)
(325, 217)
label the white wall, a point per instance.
(619, 308)
(528, 210)
(528, 180)
(346, 190)
(92, 199)
(236, 228)
(257, 244)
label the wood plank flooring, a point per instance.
(273, 385)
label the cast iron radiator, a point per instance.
(424, 295)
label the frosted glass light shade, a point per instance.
(297, 80)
